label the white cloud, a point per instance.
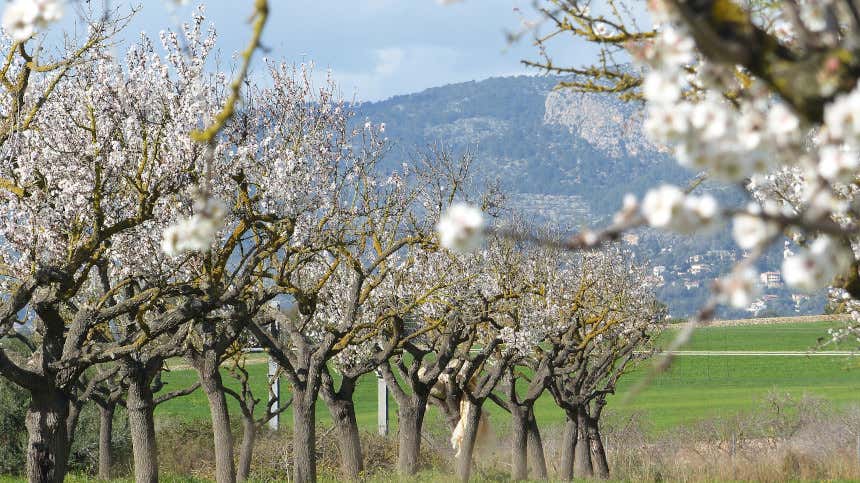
(388, 60)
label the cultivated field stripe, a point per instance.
(762, 353)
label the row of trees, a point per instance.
(100, 286)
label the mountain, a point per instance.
(568, 159)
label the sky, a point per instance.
(375, 48)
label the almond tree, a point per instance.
(84, 174)
(331, 292)
(486, 313)
(613, 317)
(248, 405)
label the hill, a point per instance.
(567, 159)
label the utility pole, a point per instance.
(275, 388)
(381, 404)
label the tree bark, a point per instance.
(472, 418)
(536, 456)
(249, 434)
(568, 446)
(48, 442)
(519, 443)
(105, 435)
(225, 471)
(141, 423)
(598, 452)
(410, 419)
(72, 420)
(348, 441)
(582, 467)
(304, 438)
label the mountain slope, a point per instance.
(567, 159)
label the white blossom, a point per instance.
(750, 231)
(196, 233)
(667, 207)
(837, 164)
(815, 267)
(461, 228)
(21, 17)
(842, 117)
(740, 288)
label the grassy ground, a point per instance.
(694, 388)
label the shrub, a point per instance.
(13, 433)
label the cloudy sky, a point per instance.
(375, 48)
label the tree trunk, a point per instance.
(582, 467)
(48, 443)
(249, 434)
(535, 445)
(519, 443)
(471, 417)
(568, 446)
(105, 436)
(598, 452)
(72, 420)
(348, 441)
(225, 471)
(304, 438)
(141, 424)
(410, 419)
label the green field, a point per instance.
(694, 388)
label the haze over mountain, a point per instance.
(568, 159)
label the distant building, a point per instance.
(695, 259)
(757, 307)
(722, 255)
(655, 281)
(771, 279)
(630, 238)
(691, 284)
(658, 270)
(698, 268)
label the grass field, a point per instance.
(694, 388)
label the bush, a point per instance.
(84, 453)
(13, 433)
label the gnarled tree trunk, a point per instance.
(48, 442)
(141, 423)
(342, 410)
(246, 453)
(105, 436)
(536, 457)
(304, 437)
(471, 418)
(72, 419)
(348, 441)
(410, 420)
(519, 442)
(210, 378)
(568, 446)
(582, 467)
(598, 452)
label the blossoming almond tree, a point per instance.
(86, 172)
(609, 327)
(337, 270)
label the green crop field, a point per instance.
(694, 388)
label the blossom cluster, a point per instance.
(21, 18)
